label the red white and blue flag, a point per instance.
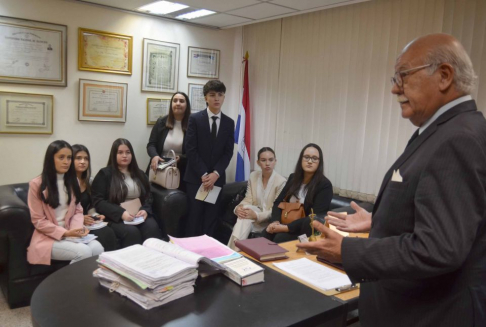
(242, 131)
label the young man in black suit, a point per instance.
(209, 148)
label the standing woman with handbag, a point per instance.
(119, 182)
(56, 212)
(168, 134)
(307, 188)
(82, 166)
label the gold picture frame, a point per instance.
(104, 52)
(33, 52)
(26, 113)
(156, 108)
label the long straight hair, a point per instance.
(49, 177)
(185, 120)
(86, 175)
(298, 178)
(118, 188)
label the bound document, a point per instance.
(262, 249)
(244, 272)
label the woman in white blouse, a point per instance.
(256, 208)
(168, 134)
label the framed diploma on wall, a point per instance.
(26, 113)
(157, 108)
(196, 97)
(160, 66)
(203, 63)
(102, 101)
(104, 52)
(32, 52)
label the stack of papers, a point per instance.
(315, 274)
(135, 221)
(96, 226)
(151, 274)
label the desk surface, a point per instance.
(293, 254)
(73, 297)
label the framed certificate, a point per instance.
(160, 67)
(26, 113)
(203, 63)
(102, 101)
(104, 52)
(196, 97)
(32, 52)
(157, 108)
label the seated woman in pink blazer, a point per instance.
(56, 212)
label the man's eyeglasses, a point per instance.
(311, 159)
(398, 77)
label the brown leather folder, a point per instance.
(262, 249)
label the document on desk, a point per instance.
(208, 196)
(315, 274)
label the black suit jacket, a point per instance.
(155, 145)
(425, 261)
(320, 203)
(205, 155)
(100, 192)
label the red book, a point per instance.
(262, 249)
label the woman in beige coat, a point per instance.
(256, 208)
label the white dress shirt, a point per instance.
(443, 109)
(218, 121)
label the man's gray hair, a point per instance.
(457, 57)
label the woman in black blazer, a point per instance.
(119, 182)
(169, 133)
(308, 185)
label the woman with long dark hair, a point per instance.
(306, 185)
(119, 182)
(82, 166)
(168, 134)
(263, 188)
(56, 212)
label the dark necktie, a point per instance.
(414, 136)
(214, 127)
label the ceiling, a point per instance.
(232, 13)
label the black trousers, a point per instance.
(107, 238)
(202, 217)
(131, 235)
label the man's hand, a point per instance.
(209, 180)
(328, 247)
(359, 222)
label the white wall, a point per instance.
(22, 155)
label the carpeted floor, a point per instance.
(13, 318)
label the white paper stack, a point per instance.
(146, 276)
(85, 239)
(96, 226)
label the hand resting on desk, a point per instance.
(359, 222)
(328, 247)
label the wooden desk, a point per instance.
(352, 295)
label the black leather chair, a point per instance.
(170, 209)
(18, 278)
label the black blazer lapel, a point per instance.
(429, 131)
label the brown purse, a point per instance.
(291, 212)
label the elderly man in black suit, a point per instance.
(424, 263)
(209, 148)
